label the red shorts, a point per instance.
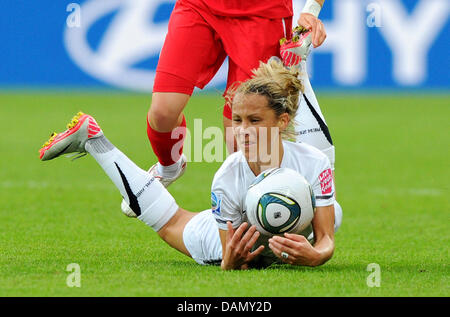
(198, 42)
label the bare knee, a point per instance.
(161, 119)
(165, 113)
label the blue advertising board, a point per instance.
(371, 44)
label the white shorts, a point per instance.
(202, 240)
(311, 126)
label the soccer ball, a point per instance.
(280, 200)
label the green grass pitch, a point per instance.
(392, 176)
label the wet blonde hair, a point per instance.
(280, 85)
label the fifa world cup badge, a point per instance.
(215, 203)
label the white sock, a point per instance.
(146, 196)
(311, 125)
(169, 171)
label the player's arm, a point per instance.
(298, 248)
(323, 226)
(309, 19)
(236, 238)
(237, 245)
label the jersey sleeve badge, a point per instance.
(216, 201)
(326, 181)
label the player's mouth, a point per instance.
(248, 147)
(246, 143)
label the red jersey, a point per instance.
(272, 9)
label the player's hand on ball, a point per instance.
(310, 22)
(294, 249)
(239, 244)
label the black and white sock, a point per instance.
(146, 196)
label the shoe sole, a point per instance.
(74, 125)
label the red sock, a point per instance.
(168, 149)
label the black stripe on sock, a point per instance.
(134, 204)
(321, 123)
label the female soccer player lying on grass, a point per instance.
(263, 109)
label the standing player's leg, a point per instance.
(164, 118)
(310, 123)
(311, 126)
(148, 198)
(190, 57)
(312, 129)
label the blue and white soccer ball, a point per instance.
(280, 200)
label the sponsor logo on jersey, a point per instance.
(215, 203)
(326, 181)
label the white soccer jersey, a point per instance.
(232, 180)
